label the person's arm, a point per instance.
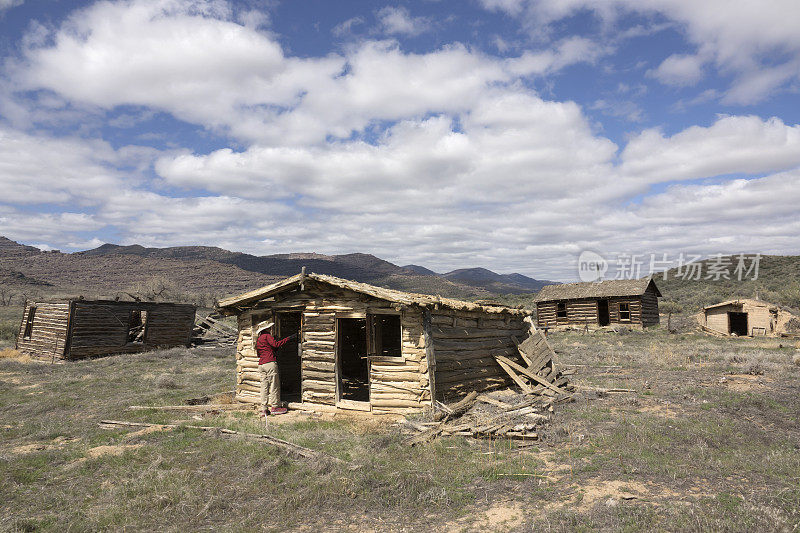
(277, 344)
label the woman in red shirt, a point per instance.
(266, 345)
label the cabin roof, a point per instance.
(595, 289)
(104, 302)
(740, 301)
(407, 298)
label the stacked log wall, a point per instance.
(634, 305)
(644, 311)
(465, 344)
(77, 329)
(579, 313)
(397, 384)
(100, 328)
(49, 334)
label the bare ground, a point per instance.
(709, 440)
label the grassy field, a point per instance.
(710, 440)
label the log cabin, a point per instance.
(631, 302)
(745, 318)
(372, 349)
(77, 328)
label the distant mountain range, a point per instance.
(111, 269)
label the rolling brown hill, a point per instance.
(202, 273)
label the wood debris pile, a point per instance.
(501, 414)
(504, 414)
(212, 330)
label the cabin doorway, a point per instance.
(352, 362)
(737, 324)
(602, 313)
(289, 361)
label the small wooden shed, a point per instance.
(630, 302)
(373, 349)
(745, 318)
(73, 329)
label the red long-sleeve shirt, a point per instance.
(266, 346)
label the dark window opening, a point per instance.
(386, 338)
(289, 363)
(561, 310)
(624, 312)
(353, 361)
(737, 324)
(29, 323)
(602, 313)
(137, 327)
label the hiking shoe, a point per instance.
(278, 411)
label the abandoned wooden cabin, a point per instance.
(373, 349)
(597, 304)
(745, 318)
(73, 329)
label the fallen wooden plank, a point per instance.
(206, 407)
(458, 408)
(518, 380)
(526, 372)
(288, 447)
(492, 401)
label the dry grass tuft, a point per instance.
(796, 359)
(166, 381)
(10, 353)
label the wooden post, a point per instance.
(430, 355)
(302, 278)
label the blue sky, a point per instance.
(510, 134)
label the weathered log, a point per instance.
(291, 448)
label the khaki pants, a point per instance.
(270, 385)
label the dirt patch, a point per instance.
(55, 444)
(601, 491)
(146, 431)
(659, 409)
(111, 449)
(745, 382)
(500, 516)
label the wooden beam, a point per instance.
(518, 380)
(526, 372)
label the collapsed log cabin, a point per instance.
(74, 329)
(631, 302)
(745, 318)
(373, 349)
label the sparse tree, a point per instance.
(6, 296)
(153, 288)
(670, 307)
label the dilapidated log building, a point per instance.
(73, 329)
(373, 349)
(631, 302)
(745, 318)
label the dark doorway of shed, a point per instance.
(602, 312)
(737, 324)
(289, 362)
(352, 359)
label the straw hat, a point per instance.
(262, 326)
